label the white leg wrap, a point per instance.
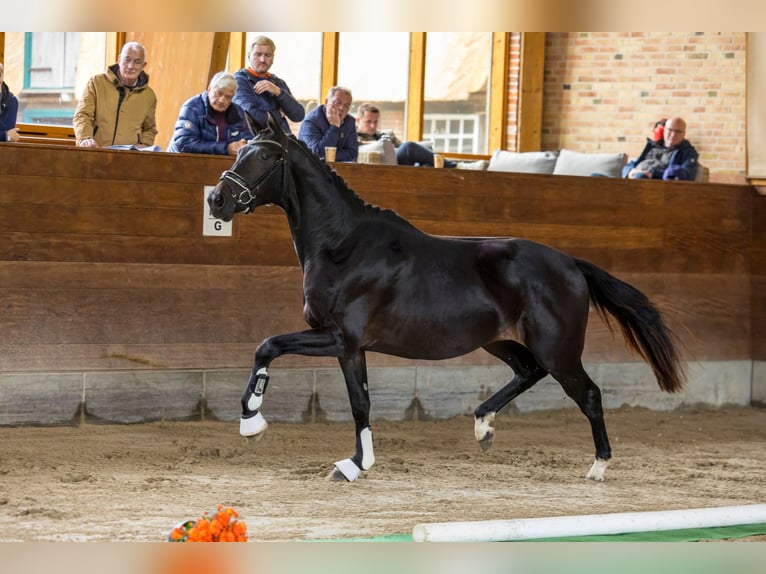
(348, 468)
(483, 425)
(252, 426)
(597, 471)
(368, 455)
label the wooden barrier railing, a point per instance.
(103, 264)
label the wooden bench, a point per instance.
(47, 135)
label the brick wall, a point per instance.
(604, 91)
(514, 67)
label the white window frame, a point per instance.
(442, 140)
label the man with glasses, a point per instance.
(118, 106)
(668, 157)
(330, 125)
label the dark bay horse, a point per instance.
(374, 282)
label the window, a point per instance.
(457, 91)
(456, 133)
(48, 70)
(376, 68)
(51, 61)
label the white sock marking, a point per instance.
(483, 425)
(598, 469)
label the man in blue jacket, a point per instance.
(210, 122)
(260, 92)
(330, 125)
(671, 157)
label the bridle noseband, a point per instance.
(243, 193)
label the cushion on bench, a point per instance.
(384, 147)
(523, 162)
(575, 163)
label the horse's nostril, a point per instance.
(218, 199)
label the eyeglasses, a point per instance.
(136, 63)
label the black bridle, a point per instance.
(243, 193)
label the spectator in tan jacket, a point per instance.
(118, 106)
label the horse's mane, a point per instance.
(343, 188)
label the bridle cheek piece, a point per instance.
(243, 193)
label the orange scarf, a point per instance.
(256, 74)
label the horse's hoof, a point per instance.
(336, 476)
(486, 441)
(596, 472)
(253, 426)
(483, 430)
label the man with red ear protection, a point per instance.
(670, 156)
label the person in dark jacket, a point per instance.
(407, 153)
(260, 92)
(671, 157)
(211, 122)
(330, 125)
(9, 109)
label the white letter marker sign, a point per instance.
(211, 225)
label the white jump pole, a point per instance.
(588, 524)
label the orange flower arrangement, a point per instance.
(223, 526)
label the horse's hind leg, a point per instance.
(526, 373)
(581, 388)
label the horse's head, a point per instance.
(257, 176)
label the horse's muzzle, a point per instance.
(217, 202)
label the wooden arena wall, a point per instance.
(115, 306)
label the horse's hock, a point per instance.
(117, 308)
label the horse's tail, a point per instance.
(640, 321)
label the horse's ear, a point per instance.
(275, 126)
(255, 126)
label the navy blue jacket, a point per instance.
(9, 108)
(317, 132)
(259, 105)
(682, 162)
(197, 132)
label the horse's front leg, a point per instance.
(354, 369)
(314, 342)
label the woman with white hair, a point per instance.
(211, 122)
